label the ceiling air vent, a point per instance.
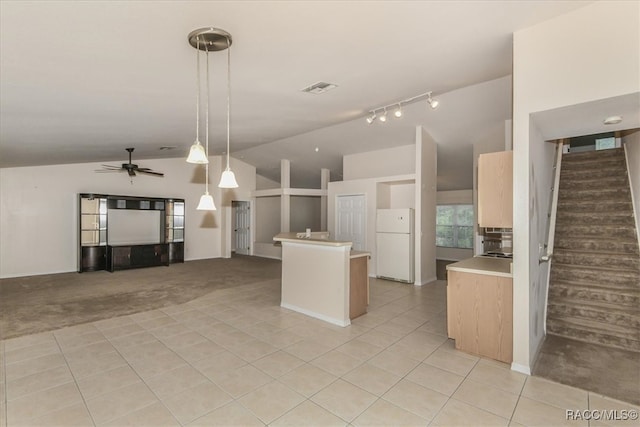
(320, 87)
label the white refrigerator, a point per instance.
(394, 244)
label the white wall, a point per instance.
(38, 210)
(305, 213)
(402, 196)
(389, 162)
(426, 188)
(264, 183)
(632, 149)
(589, 54)
(459, 197)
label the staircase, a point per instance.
(594, 291)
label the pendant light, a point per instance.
(228, 178)
(210, 40)
(196, 153)
(206, 200)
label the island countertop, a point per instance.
(484, 265)
(317, 238)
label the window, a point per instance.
(454, 226)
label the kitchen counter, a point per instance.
(358, 254)
(317, 238)
(484, 265)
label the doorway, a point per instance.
(241, 227)
(351, 220)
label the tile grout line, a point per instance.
(4, 420)
(75, 381)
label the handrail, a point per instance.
(553, 210)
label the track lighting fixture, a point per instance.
(398, 110)
(432, 102)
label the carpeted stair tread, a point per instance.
(594, 205)
(614, 261)
(612, 152)
(600, 230)
(620, 217)
(609, 163)
(596, 276)
(599, 194)
(593, 336)
(597, 245)
(580, 174)
(625, 318)
(595, 326)
(591, 182)
(580, 293)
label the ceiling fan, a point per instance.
(131, 168)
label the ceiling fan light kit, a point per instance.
(371, 118)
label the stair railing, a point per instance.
(553, 207)
(551, 225)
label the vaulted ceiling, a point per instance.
(80, 81)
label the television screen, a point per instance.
(134, 227)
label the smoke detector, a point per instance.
(320, 87)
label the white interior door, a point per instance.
(351, 220)
(242, 227)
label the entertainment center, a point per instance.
(121, 232)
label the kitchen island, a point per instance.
(323, 278)
(480, 306)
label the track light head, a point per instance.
(398, 112)
(383, 117)
(432, 102)
(371, 118)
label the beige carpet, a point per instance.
(42, 303)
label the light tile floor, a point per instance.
(234, 357)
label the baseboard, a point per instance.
(315, 315)
(521, 368)
(267, 256)
(427, 281)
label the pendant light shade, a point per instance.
(206, 203)
(197, 154)
(228, 179)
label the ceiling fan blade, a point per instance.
(150, 172)
(108, 170)
(111, 166)
(131, 172)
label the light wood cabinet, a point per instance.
(480, 314)
(358, 286)
(495, 190)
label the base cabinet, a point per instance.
(137, 256)
(93, 258)
(480, 314)
(358, 286)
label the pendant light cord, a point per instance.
(206, 183)
(228, 96)
(198, 90)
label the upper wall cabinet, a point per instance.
(495, 190)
